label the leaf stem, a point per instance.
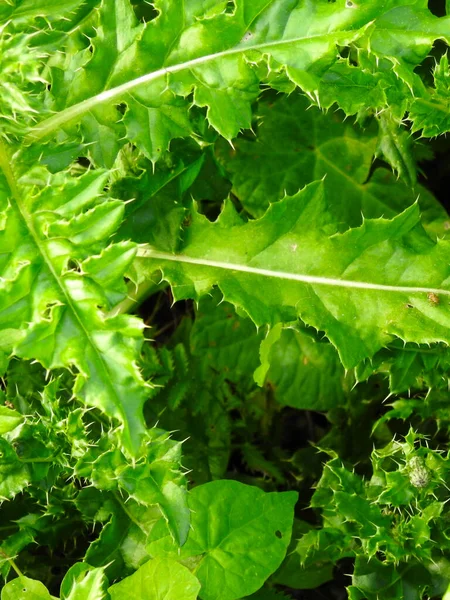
(12, 562)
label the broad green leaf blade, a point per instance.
(239, 537)
(9, 419)
(158, 579)
(363, 288)
(60, 277)
(24, 588)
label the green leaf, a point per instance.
(24, 588)
(293, 572)
(156, 209)
(158, 579)
(430, 112)
(372, 578)
(295, 145)
(14, 474)
(235, 554)
(72, 277)
(304, 578)
(81, 582)
(303, 373)
(227, 342)
(395, 146)
(9, 419)
(216, 58)
(11, 546)
(25, 10)
(292, 263)
(154, 480)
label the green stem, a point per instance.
(12, 563)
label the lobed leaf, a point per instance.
(60, 281)
(363, 288)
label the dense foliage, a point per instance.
(224, 299)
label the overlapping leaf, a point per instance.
(296, 144)
(430, 112)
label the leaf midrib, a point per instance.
(54, 122)
(148, 252)
(15, 192)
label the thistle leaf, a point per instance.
(292, 263)
(221, 60)
(58, 284)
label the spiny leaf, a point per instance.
(59, 282)
(81, 582)
(180, 52)
(220, 59)
(296, 144)
(155, 480)
(430, 112)
(363, 288)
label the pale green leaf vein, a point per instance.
(309, 279)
